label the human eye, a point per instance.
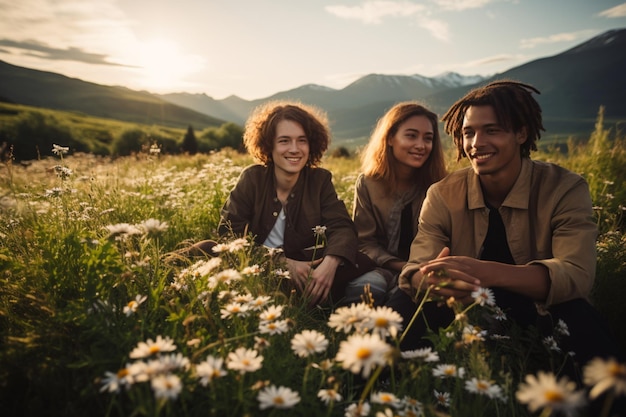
(468, 133)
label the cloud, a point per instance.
(613, 12)
(556, 38)
(373, 12)
(40, 50)
(437, 28)
(460, 5)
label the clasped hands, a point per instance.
(314, 278)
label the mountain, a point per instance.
(352, 110)
(573, 85)
(54, 91)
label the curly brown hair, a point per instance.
(260, 130)
(377, 160)
(515, 108)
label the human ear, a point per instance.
(521, 136)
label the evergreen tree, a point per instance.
(190, 143)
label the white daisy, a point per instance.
(483, 387)
(238, 245)
(385, 398)
(605, 375)
(348, 318)
(484, 296)
(225, 277)
(166, 386)
(234, 310)
(308, 342)
(361, 353)
(274, 327)
(122, 230)
(153, 227)
(271, 313)
(210, 369)
(424, 354)
(384, 321)
(259, 302)
(150, 347)
(244, 360)
(329, 395)
(446, 370)
(252, 270)
(277, 397)
(442, 398)
(131, 307)
(358, 410)
(545, 391)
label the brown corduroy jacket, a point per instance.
(253, 207)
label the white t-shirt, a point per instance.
(276, 237)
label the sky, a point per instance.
(256, 48)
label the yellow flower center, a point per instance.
(381, 322)
(553, 396)
(363, 353)
(122, 373)
(279, 400)
(617, 370)
(154, 349)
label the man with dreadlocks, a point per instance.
(522, 228)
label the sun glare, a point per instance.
(164, 67)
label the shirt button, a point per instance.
(274, 214)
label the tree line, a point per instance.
(30, 135)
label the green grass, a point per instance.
(69, 313)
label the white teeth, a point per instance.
(484, 156)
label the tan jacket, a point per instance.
(372, 210)
(548, 219)
(253, 206)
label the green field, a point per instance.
(100, 315)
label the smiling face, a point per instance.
(412, 143)
(493, 151)
(291, 148)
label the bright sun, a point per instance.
(164, 67)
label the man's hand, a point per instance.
(449, 276)
(300, 272)
(322, 277)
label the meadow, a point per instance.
(101, 314)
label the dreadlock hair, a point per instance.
(515, 108)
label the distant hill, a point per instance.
(573, 84)
(58, 92)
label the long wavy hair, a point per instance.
(515, 108)
(260, 129)
(377, 159)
